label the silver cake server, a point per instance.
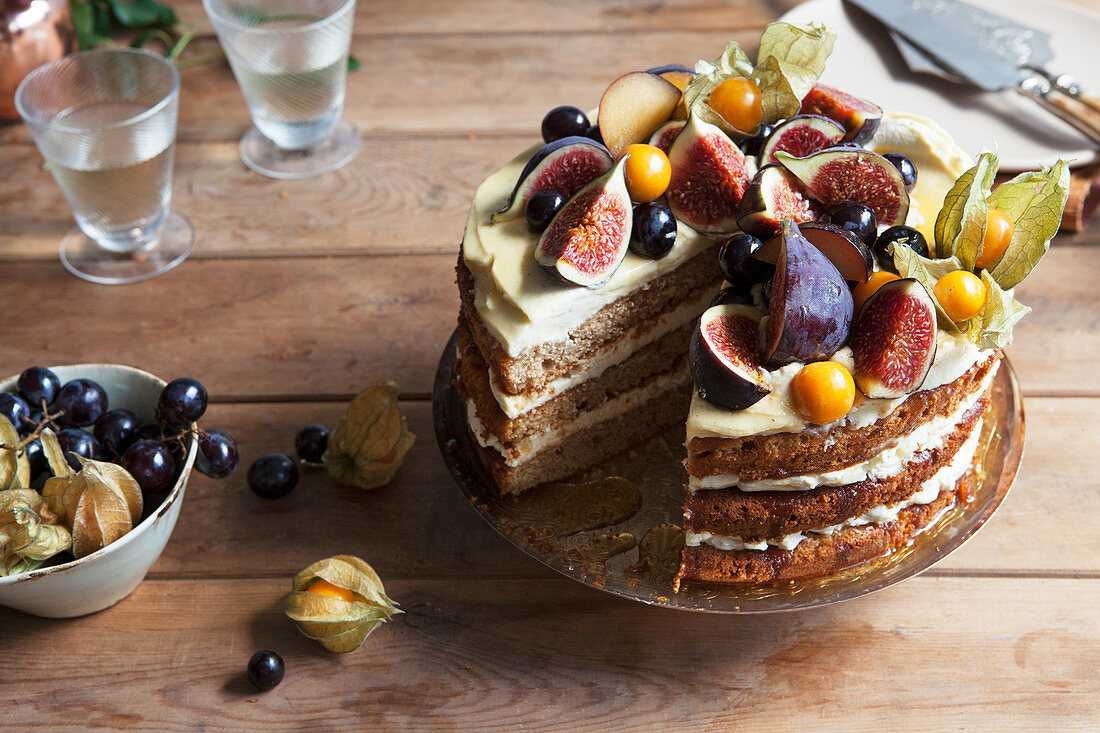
(965, 44)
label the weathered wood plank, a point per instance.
(445, 17)
(320, 326)
(398, 195)
(402, 194)
(420, 526)
(546, 654)
(450, 84)
(245, 327)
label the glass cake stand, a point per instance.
(624, 536)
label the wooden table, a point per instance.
(299, 293)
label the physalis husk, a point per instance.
(15, 468)
(369, 443)
(1032, 201)
(29, 531)
(790, 60)
(339, 624)
(100, 503)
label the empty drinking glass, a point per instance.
(290, 58)
(105, 121)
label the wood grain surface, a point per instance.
(299, 293)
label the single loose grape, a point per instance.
(311, 442)
(265, 669)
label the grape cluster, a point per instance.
(79, 413)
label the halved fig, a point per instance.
(725, 357)
(666, 134)
(708, 178)
(852, 258)
(587, 240)
(633, 106)
(894, 340)
(810, 307)
(837, 175)
(565, 165)
(859, 117)
(800, 136)
(774, 193)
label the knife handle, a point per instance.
(1082, 114)
(1068, 84)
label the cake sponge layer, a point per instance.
(819, 554)
(643, 419)
(541, 364)
(768, 514)
(780, 455)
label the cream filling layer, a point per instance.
(634, 339)
(955, 355)
(942, 480)
(888, 463)
(529, 447)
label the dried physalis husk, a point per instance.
(29, 531)
(100, 503)
(15, 467)
(55, 456)
(369, 443)
(338, 602)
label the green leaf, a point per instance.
(992, 327)
(1034, 202)
(960, 225)
(801, 52)
(101, 19)
(142, 13)
(83, 22)
(354, 64)
(927, 271)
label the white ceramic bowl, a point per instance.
(105, 577)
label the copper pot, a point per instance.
(32, 33)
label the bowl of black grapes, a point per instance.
(94, 463)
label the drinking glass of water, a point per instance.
(105, 121)
(290, 58)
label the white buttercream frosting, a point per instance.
(521, 305)
(955, 355)
(942, 480)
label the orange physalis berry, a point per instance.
(647, 171)
(738, 101)
(961, 294)
(823, 392)
(866, 289)
(324, 588)
(998, 233)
